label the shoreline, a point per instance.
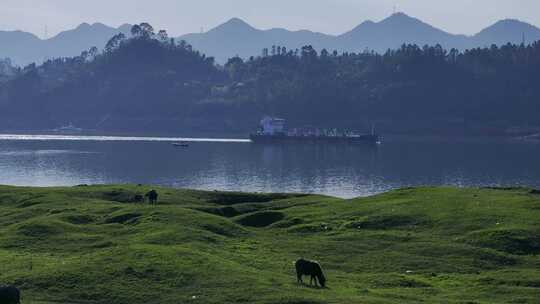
(232, 138)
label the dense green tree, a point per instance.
(147, 30)
(7, 70)
(114, 42)
(163, 36)
(136, 30)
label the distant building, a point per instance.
(272, 126)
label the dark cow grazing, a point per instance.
(152, 196)
(9, 295)
(312, 269)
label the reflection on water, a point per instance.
(345, 171)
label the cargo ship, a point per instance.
(273, 130)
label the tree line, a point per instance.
(151, 81)
(413, 87)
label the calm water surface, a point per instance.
(345, 171)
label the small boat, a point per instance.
(533, 137)
(181, 144)
(68, 129)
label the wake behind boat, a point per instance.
(181, 144)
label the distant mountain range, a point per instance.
(236, 37)
(24, 48)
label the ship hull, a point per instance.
(270, 139)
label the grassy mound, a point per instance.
(515, 241)
(39, 230)
(390, 221)
(260, 219)
(124, 218)
(78, 219)
(94, 244)
(232, 198)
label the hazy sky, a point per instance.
(328, 16)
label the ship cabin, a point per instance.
(272, 126)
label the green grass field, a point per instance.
(91, 244)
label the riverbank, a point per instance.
(95, 244)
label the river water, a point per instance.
(239, 165)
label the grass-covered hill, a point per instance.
(92, 244)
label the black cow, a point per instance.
(10, 295)
(152, 196)
(312, 269)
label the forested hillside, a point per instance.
(7, 70)
(411, 88)
(133, 81)
(152, 83)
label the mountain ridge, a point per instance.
(236, 37)
(24, 48)
(389, 33)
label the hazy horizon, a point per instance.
(330, 17)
